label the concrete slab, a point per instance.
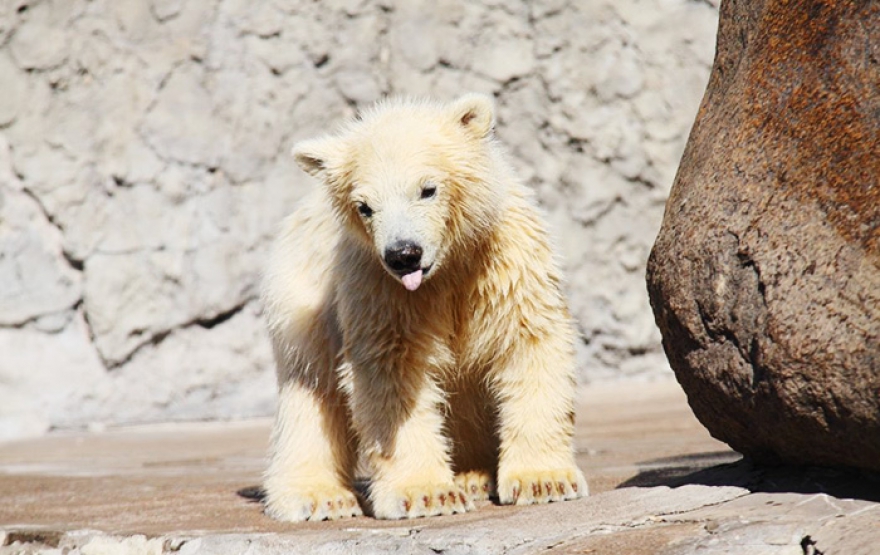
(659, 484)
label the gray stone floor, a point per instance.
(659, 485)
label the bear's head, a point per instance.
(413, 180)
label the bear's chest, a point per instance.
(482, 322)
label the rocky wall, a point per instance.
(144, 168)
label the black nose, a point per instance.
(404, 257)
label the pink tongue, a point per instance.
(412, 281)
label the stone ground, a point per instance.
(659, 485)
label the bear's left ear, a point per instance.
(475, 113)
(315, 156)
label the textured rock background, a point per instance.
(144, 168)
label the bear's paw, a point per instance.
(313, 503)
(419, 501)
(477, 485)
(540, 486)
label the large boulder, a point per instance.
(765, 277)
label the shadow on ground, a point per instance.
(711, 469)
(254, 494)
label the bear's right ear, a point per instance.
(315, 156)
(475, 113)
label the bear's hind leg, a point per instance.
(472, 424)
(478, 485)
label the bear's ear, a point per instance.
(475, 113)
(315, 156)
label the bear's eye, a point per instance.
(429, 191)
(365, 210)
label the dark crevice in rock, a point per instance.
(748, 263)
(716, 333)
(75, 263)
(321, 61)
(81, 308)
(120, 181)
(759, 371)
(43, 209)
(151, 341)
(157, 338)
(208, 323)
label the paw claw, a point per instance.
(475, 484)
(296, 504)
(527, 487)
(417, 502)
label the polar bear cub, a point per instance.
(418, 323)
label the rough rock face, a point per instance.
(144, 167)
(765, 277)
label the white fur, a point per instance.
(465, 382)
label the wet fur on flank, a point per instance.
(459, 388)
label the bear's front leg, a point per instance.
(399, 419)
(312, 457)
(535, 389)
